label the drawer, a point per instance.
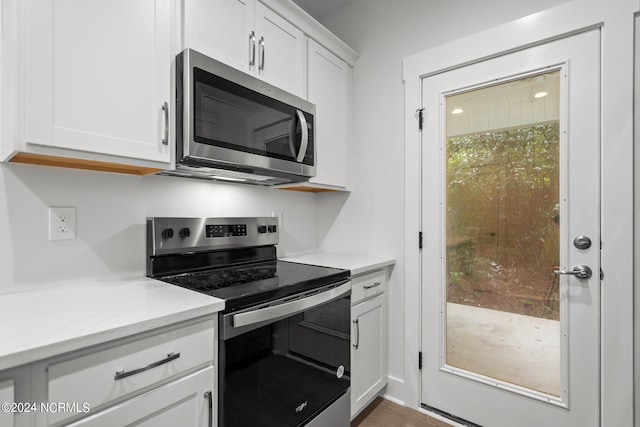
(368, 285)
(97, 378)
(184, 402)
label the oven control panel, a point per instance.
(178, 235)
(226, 230)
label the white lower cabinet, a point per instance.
(15, 392)
(7, 394)
(162, 378)
(185, 402)
(369, 342)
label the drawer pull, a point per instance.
(375, 285)
(122, 374)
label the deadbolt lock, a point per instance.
(582, 242)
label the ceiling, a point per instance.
(320, 8)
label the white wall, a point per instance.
(111, 212)
(371, 219)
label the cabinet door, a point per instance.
(328, 88)
(368, 351)
(15, 388)
(281, 51)
(185, 402)
(7, 394)
(98, 75)
(222, 29)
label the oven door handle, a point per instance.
(289, 308)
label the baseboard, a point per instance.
(393, 399)
(395, 389)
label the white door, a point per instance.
(510, 216)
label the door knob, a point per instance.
(580, 271)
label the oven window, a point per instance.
(230, 116)
(287, 372)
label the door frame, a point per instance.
(616, 134)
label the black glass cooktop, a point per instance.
(249, 284)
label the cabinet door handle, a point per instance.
(209, 396)
(357, 334)
(165, 108)
(124, 374)
(261, 67)
(375, 285)
(252, 49)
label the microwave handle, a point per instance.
(305, 137)
(292, 138)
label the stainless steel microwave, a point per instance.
(232, 126)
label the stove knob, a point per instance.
(273, 228)
(167, 233)
(184, 232)
(262, 229)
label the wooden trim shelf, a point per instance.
(307, 189)
(94, 165)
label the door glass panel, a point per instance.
(502, 232)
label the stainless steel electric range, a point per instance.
(284, 336)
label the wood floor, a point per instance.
(383, 413)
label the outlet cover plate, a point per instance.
(62, 223)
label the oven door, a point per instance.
(286, 363)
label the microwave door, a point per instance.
(276, 139)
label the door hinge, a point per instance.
(601, 274)
(420, 360)
(420, 112)
(419, 239)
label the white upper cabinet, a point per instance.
(97, 79)
(221, 29)
(249, 36)
(329, 88)
(281, 51)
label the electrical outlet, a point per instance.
(62, 223)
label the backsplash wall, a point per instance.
(111, 212)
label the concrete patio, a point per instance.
(521, 350)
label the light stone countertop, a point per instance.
(358, 264)
(38, 324)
